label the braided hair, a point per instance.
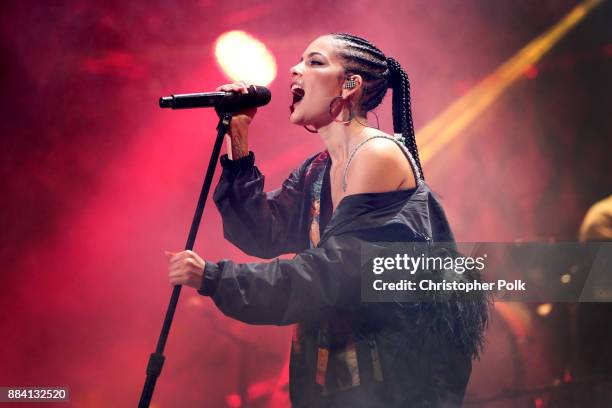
(360, 57)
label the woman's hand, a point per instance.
(186, 268)
(239, 127)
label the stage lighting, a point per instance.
(531, 72)
(544, 309)
(233, 401)
(243, 57)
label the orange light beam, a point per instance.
(447, 125)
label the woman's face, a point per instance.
(318, 77)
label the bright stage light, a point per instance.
(243, 57)
(544, 309)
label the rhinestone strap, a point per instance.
(398, 138)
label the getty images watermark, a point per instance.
(427, 264)
(534, 271)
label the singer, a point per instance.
(365, 186)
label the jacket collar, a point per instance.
(403, 210)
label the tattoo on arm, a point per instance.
(238, 148)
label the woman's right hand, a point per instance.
(239, 126)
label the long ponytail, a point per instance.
(402, 108)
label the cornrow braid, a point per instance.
(402, 109)
(360, 57)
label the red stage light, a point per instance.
(243, 57)
(531, 72)
(538, 402)
(233, 401)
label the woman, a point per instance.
(366, 186)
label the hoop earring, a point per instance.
(351, 115)
(310, 130)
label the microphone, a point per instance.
(221, 101)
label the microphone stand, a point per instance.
(156, 359)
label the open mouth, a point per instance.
(298, 94)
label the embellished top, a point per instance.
(337, 365)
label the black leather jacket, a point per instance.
(423, 349)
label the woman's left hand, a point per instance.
(186, 268)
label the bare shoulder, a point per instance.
(378, 165)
